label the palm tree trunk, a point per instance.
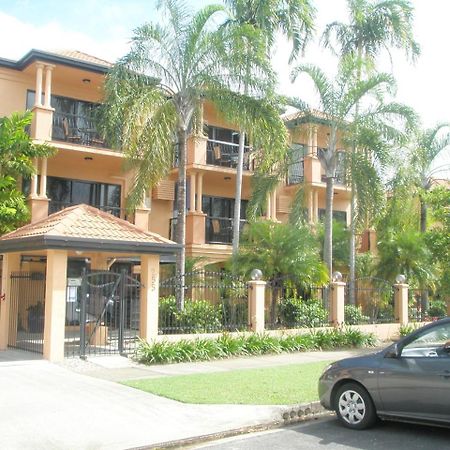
(181, 217)
(423, 215)
(238, 194)
(352, 257)
(328, 241)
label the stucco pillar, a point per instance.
(38, 95)
(310, 141)
(310, 207)
(401, 303)
(337, 302)
(55, 305)
(148, 329)
(274, 205)
(43, 183)
(316, 207)
(34, 180)
(11, 263)
(314, 140)
(256, 297)
(199, 192)
(48, 85)
(192, 192)
(269, 207)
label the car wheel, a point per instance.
(354, 407)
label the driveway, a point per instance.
(46, 406)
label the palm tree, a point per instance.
(154, 94)
(428, 146)
(295, 19)
(339, 98)
(375, 25)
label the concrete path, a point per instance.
(75, 405)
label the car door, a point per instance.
(416, 384)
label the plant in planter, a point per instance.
(36, 317)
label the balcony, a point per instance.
(55, 206)
(76, 129)
(225, 154)
(219, 230)
(296, 173)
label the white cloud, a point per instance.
(17, 38)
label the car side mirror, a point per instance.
(393, 352)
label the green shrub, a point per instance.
(437, 308)
(295, 312)
(407, 329)
(354, 315)
(254, 344)
(198, 316)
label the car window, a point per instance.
(431, 344)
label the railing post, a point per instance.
(256, 298)
(401, 303)
(337, 302)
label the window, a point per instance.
(432, 344)
(64, 192)
(296, 165)
(224, 135)
(222, 207)
(339, 216)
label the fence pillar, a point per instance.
(337, 301)
(55, 305)
(11, 263)
(148, 328)
(256, 298)
(401, 303)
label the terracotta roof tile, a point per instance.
(83, 221)
(80, 56)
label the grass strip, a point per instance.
(281, 385)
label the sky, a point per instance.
(103, 28)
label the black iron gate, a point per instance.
(26, 313)
(107, 311)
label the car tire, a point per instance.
(354, 407)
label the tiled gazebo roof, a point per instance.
(86, 228)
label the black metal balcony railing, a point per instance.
(219, 230)
(339, 178)
(225, 154)
(296, 173)
(76, 129)
(55, 206)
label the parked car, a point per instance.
(407, 381)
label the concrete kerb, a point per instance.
(290, 415)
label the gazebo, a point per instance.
(85, 232)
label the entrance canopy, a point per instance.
(85, 228)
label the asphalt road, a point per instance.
(327, 433)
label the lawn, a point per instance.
(296, 383)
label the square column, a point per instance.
(11, 263)
(256, 297)
(55, 305)
(337, 310)
(148, 328)
(401, 303)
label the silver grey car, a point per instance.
(407, 381)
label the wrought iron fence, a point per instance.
(213, 302)
(27, 311)
(102, 314)
(289, 303)
(374, 302)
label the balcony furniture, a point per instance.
(76, 139)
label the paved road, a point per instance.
(327, 434)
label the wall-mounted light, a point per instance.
(86, 80)
(88, 158)
(227, 178)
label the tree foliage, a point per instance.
(17, 152)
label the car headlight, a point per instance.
(327, 368)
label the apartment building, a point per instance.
(63, 90)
